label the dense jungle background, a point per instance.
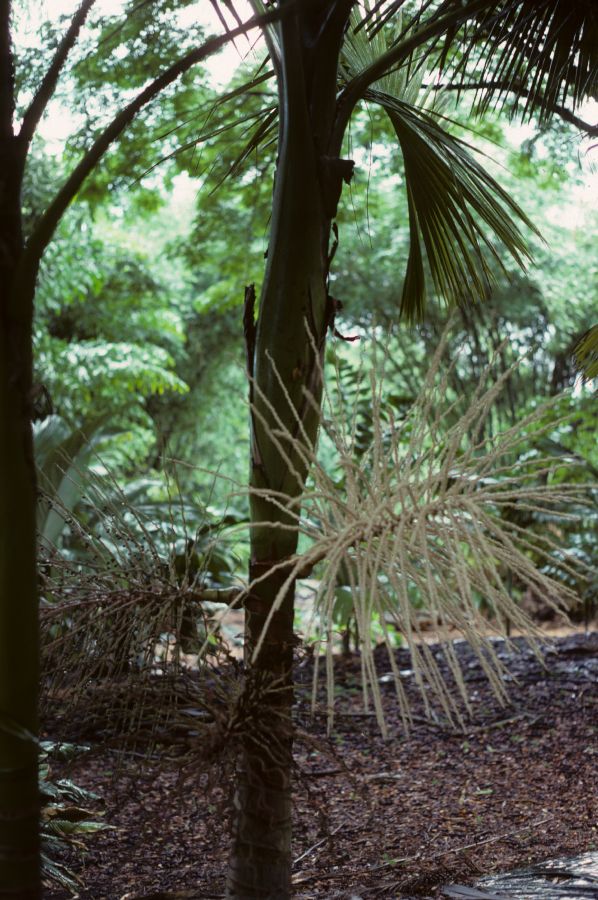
(442, 468)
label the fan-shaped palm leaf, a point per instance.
(452, 201)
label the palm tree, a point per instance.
(327, 57)
(19, 264)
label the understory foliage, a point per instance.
(429, 513)
(67, 816)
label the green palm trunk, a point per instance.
(293, 319)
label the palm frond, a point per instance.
(61, 456)
(379, 14)
(270, 33)
(452, 203)
(455, 207)
(264, 132)
(549, 48)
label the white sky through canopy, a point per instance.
(58, 124)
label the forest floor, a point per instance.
(379, 818)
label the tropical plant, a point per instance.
(65, 821)
(61, 457)
(424, 512)
(455, 221)
(128, 611)
(136, 576)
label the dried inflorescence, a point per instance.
(433, 509)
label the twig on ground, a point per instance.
(490, 840)
(317, 844)
(445, 728)
(322, 773)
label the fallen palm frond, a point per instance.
(125, 607)
(431, 509)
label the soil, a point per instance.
(376, 818)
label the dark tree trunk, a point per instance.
(19, 675)
(294, 315)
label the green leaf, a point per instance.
(59, 874)
(68, 828)
(62, 455)
(455, 210)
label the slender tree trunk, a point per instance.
(286, 352)
(19, 674)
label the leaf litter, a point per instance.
(376, 818)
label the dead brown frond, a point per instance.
(132, 652)
(123, 617)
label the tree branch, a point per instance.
(46, 226)
(50, 79)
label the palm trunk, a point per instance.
(19, 674)
(294, 315)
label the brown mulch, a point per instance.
(379, 818)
